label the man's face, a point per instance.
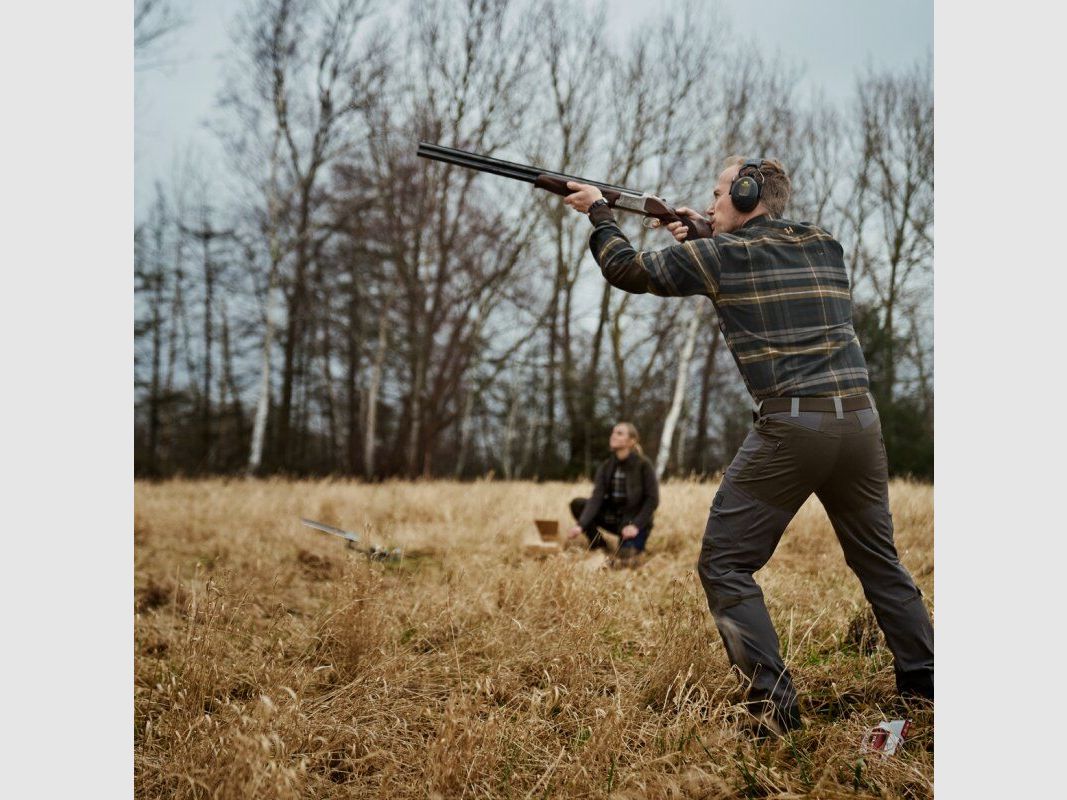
(724, 217)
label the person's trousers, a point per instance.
(782, 461)
(592, 531)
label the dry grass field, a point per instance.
(274, 662)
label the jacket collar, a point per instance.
(762, 218)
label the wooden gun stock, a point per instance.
(551, 183)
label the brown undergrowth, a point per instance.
(274, 662)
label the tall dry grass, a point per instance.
(273, 662)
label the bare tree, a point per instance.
(896, 126)
(205, 234)
(819, 171)
(370, 440)
(151, 276)
(447, 251)
(271, 229)
(574, 58)
(308, 69)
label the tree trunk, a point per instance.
(206, 234)
(590, 388)
(157, 355)
(664, 453)
(333, 424)
(371, 428)
(263, 403)
(701, 445)
(527, 451)
(418, 386)
(354, 400)
(294, 325)
(548, 457)
(298, 461)
(209, 293)
(259, 426)
(464, 433)
(506, 456)
(229, 381)
(621, 401)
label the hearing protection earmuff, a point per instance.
(746, 190)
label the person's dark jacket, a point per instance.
(642, 491)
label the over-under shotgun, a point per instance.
(620, 197)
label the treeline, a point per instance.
(346, 308)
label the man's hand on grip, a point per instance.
(678, 229)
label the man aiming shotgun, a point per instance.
(782, 293)
(785, 310)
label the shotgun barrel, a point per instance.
(507, 169)
(633, 200)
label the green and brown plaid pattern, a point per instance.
(781, 291)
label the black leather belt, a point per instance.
(776, 405)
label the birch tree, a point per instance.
(678, 398)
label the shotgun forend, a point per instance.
(620, 197)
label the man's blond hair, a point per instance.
(777, 187)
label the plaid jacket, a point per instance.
(781, 290)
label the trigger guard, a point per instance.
(649, 222)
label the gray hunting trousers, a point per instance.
(782, 461)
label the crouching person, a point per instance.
(625, 495)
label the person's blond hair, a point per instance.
(632, 430)
(777, 187)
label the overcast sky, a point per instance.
(830, 39)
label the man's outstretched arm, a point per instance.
(684, 269)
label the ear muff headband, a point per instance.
(746, 190)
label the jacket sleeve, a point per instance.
(689, 268)
(592, 508)
(651, 488)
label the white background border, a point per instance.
(66, 314)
